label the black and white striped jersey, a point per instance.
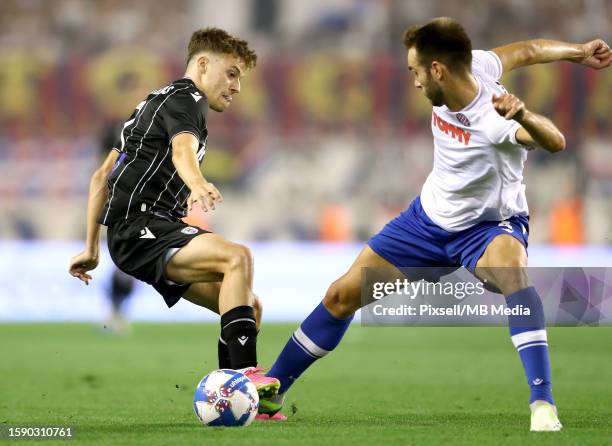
(144, 179)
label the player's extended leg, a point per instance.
(503, 264)
(206, 294)
(212, 258)
(323, 329)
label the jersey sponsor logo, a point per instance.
(463, 119)
(451, 130)
(506, 226)
(146, 233)
(189, 230)
(196, 96)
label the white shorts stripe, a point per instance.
(531, 345)
(529, 336)
(308, 344)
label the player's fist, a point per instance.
(597, 54)
(509, 106)
(206, 195)
(81, 263)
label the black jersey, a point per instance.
(144, 179)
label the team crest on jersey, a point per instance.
(189, 230)
(463, 119)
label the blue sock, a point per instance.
(529, 337)
(319, 334)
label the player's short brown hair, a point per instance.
(442, 39)
(219, 41)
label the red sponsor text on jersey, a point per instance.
(454, 131)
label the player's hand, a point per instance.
(81, 263)
(509, 106)
(206, 195)
(597, 54)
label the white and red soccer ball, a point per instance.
(226, 398)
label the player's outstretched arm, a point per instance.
(184, 149)
(536, 130)
(594, 54)
(98, 194)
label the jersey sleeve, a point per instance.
(487, 62)
(115, 139)
(503, 131)
(183, 113)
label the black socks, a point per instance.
(239, 333)
(224, 355)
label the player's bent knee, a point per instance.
(506, 274)
(239, 257)
(341, 300)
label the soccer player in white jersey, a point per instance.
(472, 210)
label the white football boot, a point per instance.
(544, 417)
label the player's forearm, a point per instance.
(98, 194)
(186, 163)
(552, 50)
(543, 131)
(530, 52)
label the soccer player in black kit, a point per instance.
(143, 189)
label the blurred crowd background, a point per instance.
(327, 140)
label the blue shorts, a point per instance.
(413, 240)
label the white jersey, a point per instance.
(478, 165)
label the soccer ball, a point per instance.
(226, 398)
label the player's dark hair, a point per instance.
(219, 41)
(443, 40)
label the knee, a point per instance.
(506, 274)
(504, 251)
(239, 258)
(341, 300)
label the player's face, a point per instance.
(221, 80)
(424, 81)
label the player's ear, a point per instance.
(436, 70)
(202, 63)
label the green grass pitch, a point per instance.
(381, 386)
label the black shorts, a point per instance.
(141, 247)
